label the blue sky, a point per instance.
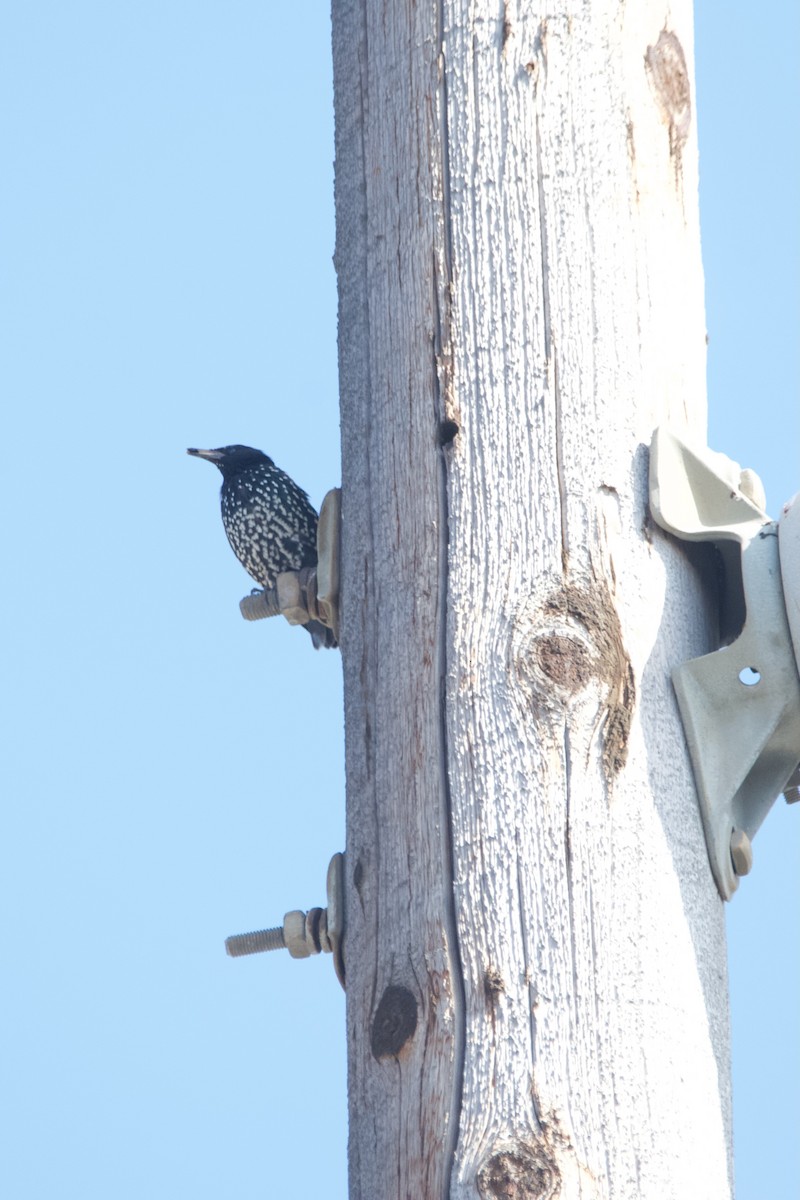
(174, 774)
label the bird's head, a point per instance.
(231, 459)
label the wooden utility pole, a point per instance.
(535, 951)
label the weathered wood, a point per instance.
(401, 1014)
(535, 948)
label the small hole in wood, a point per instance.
(447, 431)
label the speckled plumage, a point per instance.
(270, 522)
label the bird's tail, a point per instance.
(321, 636)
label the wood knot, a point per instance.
(447, 432)
(569, 644)
(358, 879)
(565, 660)
(493, 984)
(519, 1172)
(394, 1022)
(669, 76)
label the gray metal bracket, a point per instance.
(740, 704)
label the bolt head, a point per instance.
(741, 852)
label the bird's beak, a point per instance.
(214, 456)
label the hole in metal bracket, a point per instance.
(749, 676)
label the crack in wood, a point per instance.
(449, 421)
(550, 350)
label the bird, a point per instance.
(270, 521)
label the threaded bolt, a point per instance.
(792, 789)
(258, 605)
(255, 943)
(303, 934)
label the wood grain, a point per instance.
(535, 947)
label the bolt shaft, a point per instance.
(255, 943)
(258, 605)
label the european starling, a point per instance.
(270, 522)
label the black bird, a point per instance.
(269, 520)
